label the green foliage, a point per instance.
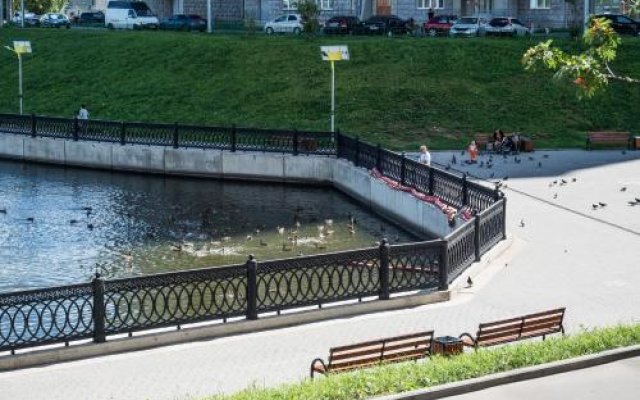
(39, 6)
(309, 12)
(396, 378)
(588, 70)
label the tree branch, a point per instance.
(614, 76)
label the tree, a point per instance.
(309, 12)
(40, 6)
(589, 70)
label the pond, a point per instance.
(59, 225)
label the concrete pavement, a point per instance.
(566, 255)
(619, 380)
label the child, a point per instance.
(473, 152)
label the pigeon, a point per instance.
(531, 158)
(73, 221)
(594, 206)
(522, 223)
(555, 182)
(545, 156)
(462, 153)
(563, 182)
(638, 200)
(517, 160)
(481, 164)
(574, 179)
(492, 175)
(623, 189)
(489, 166)
(506, 178)
(448, 167)
(469, 282)
(555, 195)
(539, 164)
(453, 159)
(30, 219)
(632, 203)
(624, 152)
(3, 210)
(602, 204)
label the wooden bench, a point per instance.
(482, 139)
(361, 355)
(513, 329)
(608, 138)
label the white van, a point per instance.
(130, 15)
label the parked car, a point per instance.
(288, 23)
(622, 24)
(385, 25)
(55, 20)
(439, 25)
(469, 26)
(342, 25)
(508, 26)
(184, 22)
(30, 19)
(91, 18)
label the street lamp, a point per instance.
(20, 48)
(333, 54)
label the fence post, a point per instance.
(443, 273)
(504, 217)
(384, 270)
(233, 137)
(403, 168)
(123, 138)
(465, 190)
(33, 125)
(337, 143)
(76, 127)
(97, 284)
(252, 288)
(356, 158)
(175, 135)
(476, 236)
(430, 181)
(295, 142)
(379, 159)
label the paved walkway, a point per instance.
(619, 380)
(565, 255)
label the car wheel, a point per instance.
(109, 26)
(296, 31)
(269, 31)
(433, 32)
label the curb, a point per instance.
(518, 375)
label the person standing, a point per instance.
(83, 118)
(473, 152)
(430, 14)
(425, 156)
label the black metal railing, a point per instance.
(103, 307)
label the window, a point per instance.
(293, 18)
(281, 19)
(426, 4)
(540, 4)
(290, 4)
(325, 4)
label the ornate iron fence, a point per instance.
(61, 314)
(44, 316)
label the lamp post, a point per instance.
(20, 48)
(22, 13)
(333, 54)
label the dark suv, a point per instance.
(342, 25)
(621, 23)
(92, 18)
(386, 25)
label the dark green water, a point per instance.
(128, 224)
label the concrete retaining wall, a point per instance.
(415, 215)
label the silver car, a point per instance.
(288, 23)
(507, 26)
(469, 26)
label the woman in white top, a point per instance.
(425, 156)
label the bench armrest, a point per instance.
(313, 366)
(473, 340)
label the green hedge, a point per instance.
(403, 377)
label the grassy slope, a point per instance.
(401, 92)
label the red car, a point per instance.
(439, 25)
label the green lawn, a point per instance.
(396, 378)
(400, 92)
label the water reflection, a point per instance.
(59, 223)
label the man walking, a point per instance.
(83, 118)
